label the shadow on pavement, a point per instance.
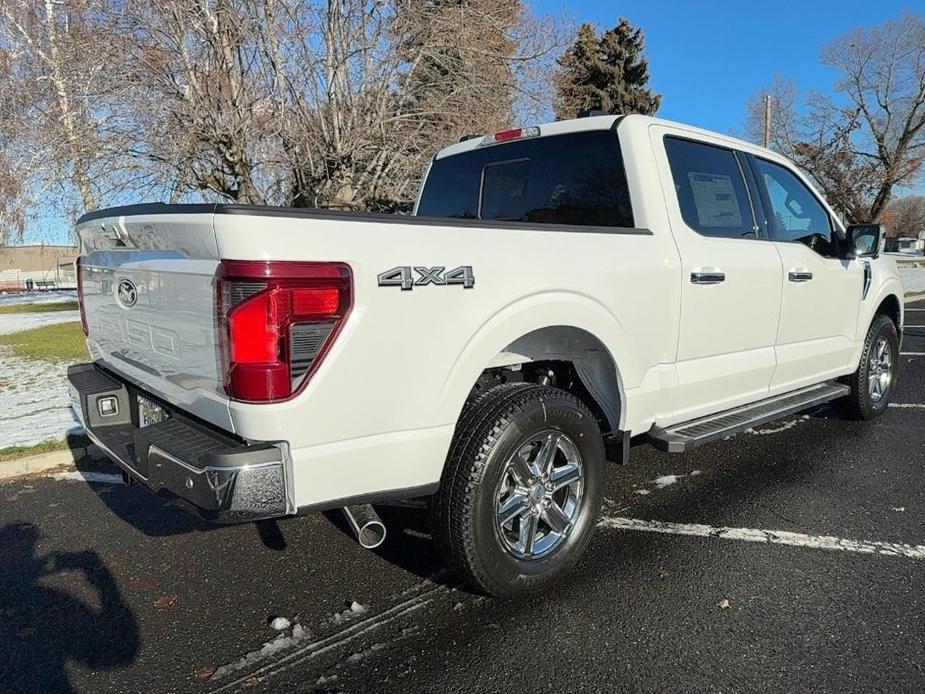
(407, 543)
(43, 628)
(153, 515)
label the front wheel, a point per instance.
(873, 383)
(522, 489)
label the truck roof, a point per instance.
(634, 121)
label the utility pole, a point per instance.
(767, 120)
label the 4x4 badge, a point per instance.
(403, 276)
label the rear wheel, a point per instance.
(873, 383)
(522, 489)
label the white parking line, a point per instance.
(909, 405)
(772, 537)
(912, 354)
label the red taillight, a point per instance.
(80, 297)
(278, 318)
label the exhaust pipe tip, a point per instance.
(366, 525)
(371, 535)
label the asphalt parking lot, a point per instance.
(791, 558)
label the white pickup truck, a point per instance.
(558, 290)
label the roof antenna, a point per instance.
(590, 112)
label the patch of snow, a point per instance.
(88, 476)
(34, 401)
(789, 424)
(363, 655)
(280, 623)
(353, 610)
(37, 297)
(17, 322)
(912, 278)
(267, 650)
(666, 481)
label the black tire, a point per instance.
(493, 428)
(860, 403)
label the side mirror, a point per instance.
(864, 240)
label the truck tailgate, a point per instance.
(148, 292)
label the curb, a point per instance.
(42, 462)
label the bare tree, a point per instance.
(905, 216)
(66, 139)
(333, 103)
(869, 137)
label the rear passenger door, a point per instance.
(821, 291)
(731, 276)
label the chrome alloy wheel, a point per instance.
(880, 370)
(539, 495)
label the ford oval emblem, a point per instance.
(127, 293)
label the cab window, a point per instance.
(710, 188)
(795, 213)
(576, 179)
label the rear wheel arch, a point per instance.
(576, 361)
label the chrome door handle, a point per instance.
(799, 276)
(707, 277)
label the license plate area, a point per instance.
(150, 412)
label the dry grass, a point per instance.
(58, 342)
(39, 308)
(14, 452)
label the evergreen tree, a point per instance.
(607, 72)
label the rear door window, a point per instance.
(711, 189)
(576, 179)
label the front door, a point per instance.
(821, 292)
(730, 282)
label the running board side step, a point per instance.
(680, 438)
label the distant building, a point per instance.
(39, 266)
(911, 244)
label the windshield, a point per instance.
(560, 179)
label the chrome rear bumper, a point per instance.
(224, 479)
